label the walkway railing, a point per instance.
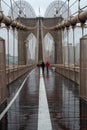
(13, 74)
(70, 72)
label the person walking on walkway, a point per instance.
(43, 66)
(47, 66)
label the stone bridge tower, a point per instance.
(39, 33)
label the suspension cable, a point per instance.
(11, 6)
(83, 7)
(8, 6)
(73, 3)
(70, 6)
(62, 5)
(17, 5)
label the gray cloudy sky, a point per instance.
(36, 4)
(43, 4)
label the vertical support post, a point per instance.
(16, 30)
(59, 47)
(68, 8)
(68, 49)
(37, 41)
(74, 78)
(74, 56)
(74, 43)
(3, 88)
(13, 52)
(63, 51)
(21, 48)
(40, 51)
(8, 52)
(68, 45)
(55, 57)
(83, 67)
(11, 8)
(82, 25)
(78, 6)
(0, 6)
(26, 49)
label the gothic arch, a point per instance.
(49, 48)
(49, 37)
(31, 48)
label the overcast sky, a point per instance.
(36, 4)
(42, 4)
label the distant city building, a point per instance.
(71, 54)
(12, 60)
(68, 54)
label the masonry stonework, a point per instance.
(40, 33)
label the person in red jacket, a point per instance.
(47, 66)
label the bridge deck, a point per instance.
(49, 104)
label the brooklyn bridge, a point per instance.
(32, 97)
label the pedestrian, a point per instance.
(38, 65)
(43, 66)
(47, 66)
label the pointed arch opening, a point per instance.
(49, 48)
(31, 49)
